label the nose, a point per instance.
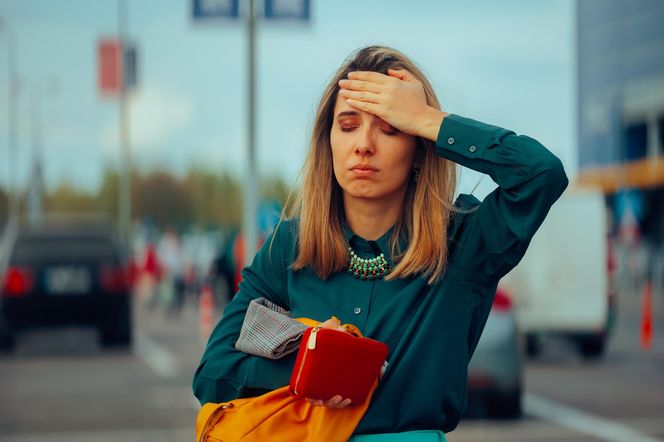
(364, 143)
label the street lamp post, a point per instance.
(251, 182)
(11, 98)
(35, 197)
(124, 188)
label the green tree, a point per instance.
(66, 198)
(161, 197)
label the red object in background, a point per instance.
(110, 67)
(133, 272)
(646, 316)
(151, 265)
(114, 279)
(502, 301)
(610, 258)
(17, 282)
(239, 252)
(205, 312)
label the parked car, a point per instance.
(495, 370)
(65, 273)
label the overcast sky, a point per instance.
(509, 63)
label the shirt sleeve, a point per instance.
(530, 179)
(225, 373)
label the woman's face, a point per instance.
(371, 158)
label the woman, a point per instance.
(379, 183)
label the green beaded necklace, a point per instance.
(367, 268)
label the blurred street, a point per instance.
(60, 386)
(148, 151)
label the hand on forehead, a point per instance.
(344, 110)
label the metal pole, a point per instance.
(124, 177)
(13, 154)
(251, 184)
(35, 194)
(12, 187)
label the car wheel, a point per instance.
(533, 346)
(117, 331)
(592, 347)
(505, 406)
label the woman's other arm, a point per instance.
(225, 373)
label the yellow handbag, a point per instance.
(277, 416)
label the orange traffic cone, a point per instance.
(646, 316)
(205, 312)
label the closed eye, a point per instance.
(390, 131)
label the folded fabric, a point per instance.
(269, 331)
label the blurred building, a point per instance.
(621, 107)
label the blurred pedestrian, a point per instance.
(172, 284)
(377, 239)
(149, 275)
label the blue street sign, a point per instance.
(212, 9)
(130, 67)
(269, 213)
(287, 9)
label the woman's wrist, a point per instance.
(431, 122)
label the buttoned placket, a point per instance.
(359, 307)
(365, 288)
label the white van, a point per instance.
(563, 285)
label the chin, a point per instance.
(363, 191)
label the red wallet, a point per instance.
(331, 362)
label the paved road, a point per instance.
(59, 386)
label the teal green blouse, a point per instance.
(431, 330)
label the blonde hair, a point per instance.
(319, 202)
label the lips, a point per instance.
(363, 171)
(364, 167)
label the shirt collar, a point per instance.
(366, 248)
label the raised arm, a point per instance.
(530, 177)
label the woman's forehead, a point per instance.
(342, 108)
(341, 105)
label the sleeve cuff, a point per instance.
(466, 137)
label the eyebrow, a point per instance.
(357, 114)
(348, 114)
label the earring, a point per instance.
(416, 174)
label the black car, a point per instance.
(65, 274)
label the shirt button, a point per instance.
(472, 148)
(450, 140)
(357, 310)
